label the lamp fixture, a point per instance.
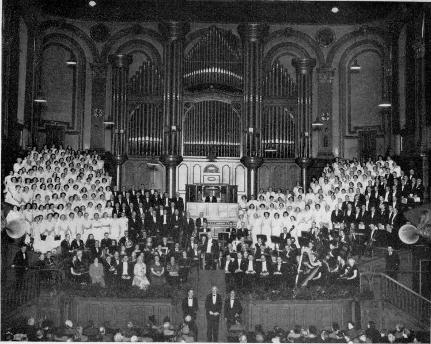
(40, 97)
(317, 123)
(385, 103)
(92, 3)
(71, 61)
(335, 9)
(108, 122)
(355, 67)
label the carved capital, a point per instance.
(253, 32)
(326, 75)
(252, 162)
(174, 30)
(120, 60)
(304, 65)
(171, 160)
(304, 162)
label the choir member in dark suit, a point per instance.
(165, 202)
(337, 215)
(179, 202)
(213, 308)
(77, 244)
(176, 228)
(154, 224)
(135, 225)
(20, 264)
(349, 215)
(190, 305)
(228, 266)
(106, 241)
(200, 221)
(240, 265)
(232, 310)
(147, 201)
(66, 246)
(188, 228)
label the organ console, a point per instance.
(224, 193)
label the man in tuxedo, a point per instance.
(392, 263)
(66, 246)
(190, 305)
(20, 264)
(147, 201)
(188, 227)
(77, 244)
(129, 200)
(135, 225)
(278, 273)
(263, 271)
(176, 228)
(179, 202)
(165, 222)
(240, 266)
(232, 310)
(106, 242)
(228, 266)
(200, 221)
(154, 224)
(165, 201)
(213, 308)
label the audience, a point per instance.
(187, 332)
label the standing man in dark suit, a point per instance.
(392, 263)
(20, 264)
(190, 305)
(232, 310)
(179, 202)
(213, 307)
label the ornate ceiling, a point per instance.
(226, 11)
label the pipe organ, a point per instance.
(145, 127)
(214, 60)
(278, 117)
(212, 97)
(212, 128)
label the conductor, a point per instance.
(213, 307)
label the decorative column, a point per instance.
(304, 78)
(420, 110)
(120, 74)
(174, 34)
(325, 80)
(98, 92)
(252, 35)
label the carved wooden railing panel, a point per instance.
(212, 128)
(214, 60)
(397, 294)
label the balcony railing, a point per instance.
(397, 294)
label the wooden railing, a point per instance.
(397, 294)
(18, 294)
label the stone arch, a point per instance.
(74, 32)
(281, 49)
(351, 52)
(131, 34)
(301, 38)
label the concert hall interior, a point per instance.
(216, 171)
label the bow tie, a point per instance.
(190, 298)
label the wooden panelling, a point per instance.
(196, 174)
(277, 174)
(119, 311)
(182, 174)
(287, 314)
(240, 178)
(137, 172)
